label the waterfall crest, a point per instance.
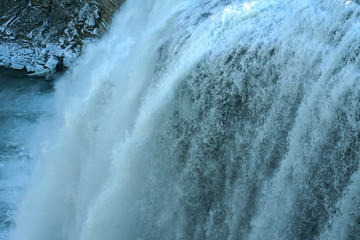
(204, 119)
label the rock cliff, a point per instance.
(42, 36)
(107, 8)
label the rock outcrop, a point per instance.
(42, 36)
(107, 8)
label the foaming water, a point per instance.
(204, 119)
(23, 101)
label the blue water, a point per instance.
(23, 101)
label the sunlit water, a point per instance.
(205, 119)
(23, 101)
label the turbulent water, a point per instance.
(23, 101)
(205, 119)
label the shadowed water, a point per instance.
(22, 102)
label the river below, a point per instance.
(23, 102)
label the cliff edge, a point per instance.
(44, 36)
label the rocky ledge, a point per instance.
(44, 36)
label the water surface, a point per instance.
(23, 100)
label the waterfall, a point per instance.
(205, 119)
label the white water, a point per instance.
(204, 119)
(23, 101)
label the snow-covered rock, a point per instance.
(52, 62)
(43, 35)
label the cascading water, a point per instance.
(204, 119)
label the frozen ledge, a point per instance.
(50, 58)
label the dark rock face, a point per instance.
(107, 8)
(43, 35)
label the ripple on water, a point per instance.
(23, 100)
